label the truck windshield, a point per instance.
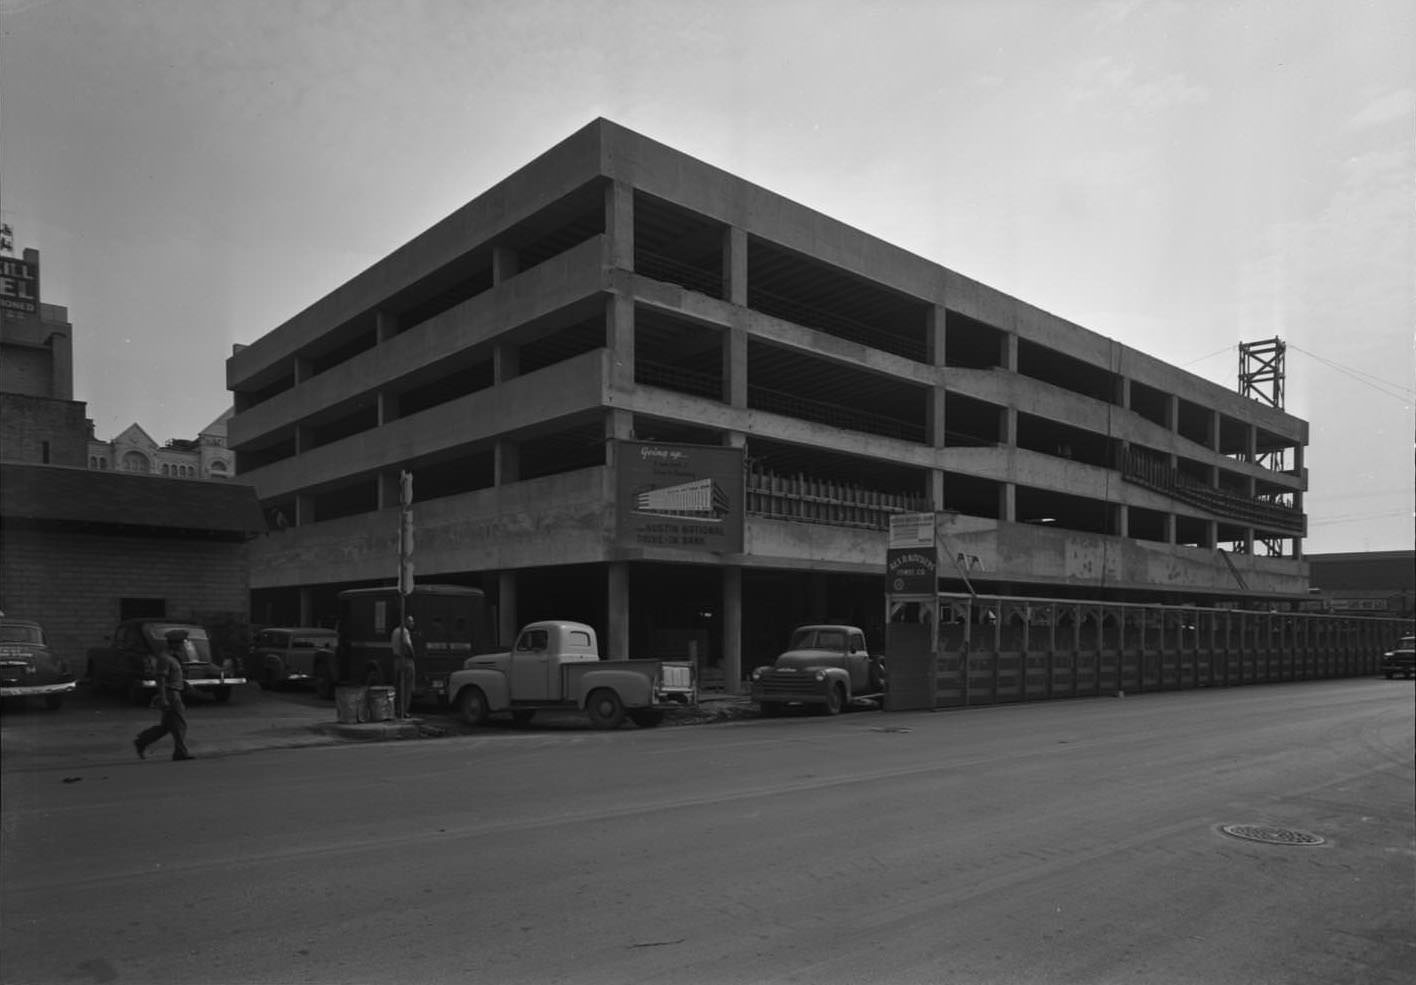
(818, 639)
(20, 633)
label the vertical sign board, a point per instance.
(685, 497)
(911, 558)
(19, 286)
(911, 569)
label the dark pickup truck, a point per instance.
(825, 667)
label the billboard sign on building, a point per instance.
(911, 558)
(19, 286)
(685, 497)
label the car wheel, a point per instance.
(324, 682)
(222, 694)
(646, 717)
(53, 701)
(606, 711)
(472, 706)
(835, 700)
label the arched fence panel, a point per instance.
(1001, 649)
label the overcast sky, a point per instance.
(1178, 176)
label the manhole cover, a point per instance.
(1271, 835)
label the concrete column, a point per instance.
(507, 622)
(506, 362)
(1172, 413)
(506, 462)
(307, 607)
(1123, 520)
(302, 439)
(506, 264)
(1123, 392)
(1212, 431)
(304, 509)
(619, 426)
(1008, 503)
(619, 338)
(302, 369)
(390, 489)
(816, 585)
(936, 489)
(735, 265)
(1170, 528)
(385, 326)
(1251, 444)
(732, 629)
(735, 367)
(617, 612)
(1008, 427)
(1211, 534)
(619, 224)
(1009, 355)
(388, 407)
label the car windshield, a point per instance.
(11, 632)
(312, 642)
(196, 649)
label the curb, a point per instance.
(372, 731)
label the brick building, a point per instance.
(80, 548)
(618, 325)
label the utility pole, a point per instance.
(405, 543)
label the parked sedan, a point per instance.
(28, 668)
(1401, 660)
(129, 662)
(284, 655)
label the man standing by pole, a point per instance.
(402, 637)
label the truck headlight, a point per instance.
(757, 672)
(820, 676)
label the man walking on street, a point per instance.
(169, 698)
(403, 670)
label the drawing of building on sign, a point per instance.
(701, 499)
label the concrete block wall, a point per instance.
(71, 582)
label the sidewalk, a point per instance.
(98, 728)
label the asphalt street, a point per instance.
(1073, 841)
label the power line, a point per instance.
(1228, 348)
(1397, 391)
(1314, 521)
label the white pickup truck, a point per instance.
(557, 665)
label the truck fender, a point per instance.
(834, 674)
(492, 682)
(632, 687)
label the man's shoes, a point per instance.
(142, 751)
(178, 757)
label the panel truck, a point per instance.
(453, 622)
(556, 665)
